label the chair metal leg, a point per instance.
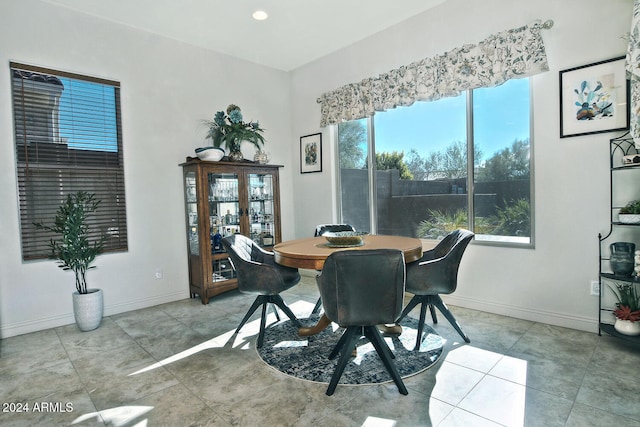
(423, 315)
(414, 301)
(256, 303)
(316, 308)
(345, 347)
(263, 321)
(433, 313)
(264, 300)
(275, 311)
(433, 302)
(352, 335)
(277, 300)
(338, 346)
(437, 301)
(372, 333)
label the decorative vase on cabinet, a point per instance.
(223, 198)
(236, 156)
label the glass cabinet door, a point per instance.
(224, 205)
(224, 219)
(192, 213)
(261, 208)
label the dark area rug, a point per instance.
(307, 357)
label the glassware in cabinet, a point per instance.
(262, 208)
(224, 205)
(192, 213)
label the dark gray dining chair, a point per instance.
(328, 228)
(259, 274)
(361, 289)
(434, 274)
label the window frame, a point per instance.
(49, 167)
(470, 175)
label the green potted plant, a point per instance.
(75, 251)
(630, 213)
(627, 310)
(230, 130)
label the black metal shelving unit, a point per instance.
(619, 147)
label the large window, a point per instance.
(433, 167)
(68, 138)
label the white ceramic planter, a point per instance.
(87, 309)
(627, 327)
(629, 218)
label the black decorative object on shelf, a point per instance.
(621, 259)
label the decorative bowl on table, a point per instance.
(345, 238)
(210, 154)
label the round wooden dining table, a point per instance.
(311, 252)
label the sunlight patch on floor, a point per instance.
(378, 422)
(240, 341)
(291, 344)
(500, 393)
(120, 416)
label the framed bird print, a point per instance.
(594, 98)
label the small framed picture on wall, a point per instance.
(311, 153)
(594, 98)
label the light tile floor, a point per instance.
(180, 364)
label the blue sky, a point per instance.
(501, 115)
(88, 115)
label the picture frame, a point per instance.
(311, 153)
(594, 98)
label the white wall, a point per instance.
(168, 88)
(551, 282)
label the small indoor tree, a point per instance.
(73, 247)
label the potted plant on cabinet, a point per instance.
(630, 213)
(627, 310)
(230, 130)
(75, 251)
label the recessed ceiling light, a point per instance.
(260, 15)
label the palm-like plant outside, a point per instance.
(73, 248)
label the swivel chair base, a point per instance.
(431, 301)
(264, 300)
(347, 344)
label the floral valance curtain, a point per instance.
(514, 53)
(633, 72)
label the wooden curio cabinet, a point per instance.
(223, 198)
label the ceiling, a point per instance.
(296, 32)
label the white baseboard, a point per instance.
(587, 324)
(34, 325)
(526, 313)
(145, 303)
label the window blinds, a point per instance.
(68, 138)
